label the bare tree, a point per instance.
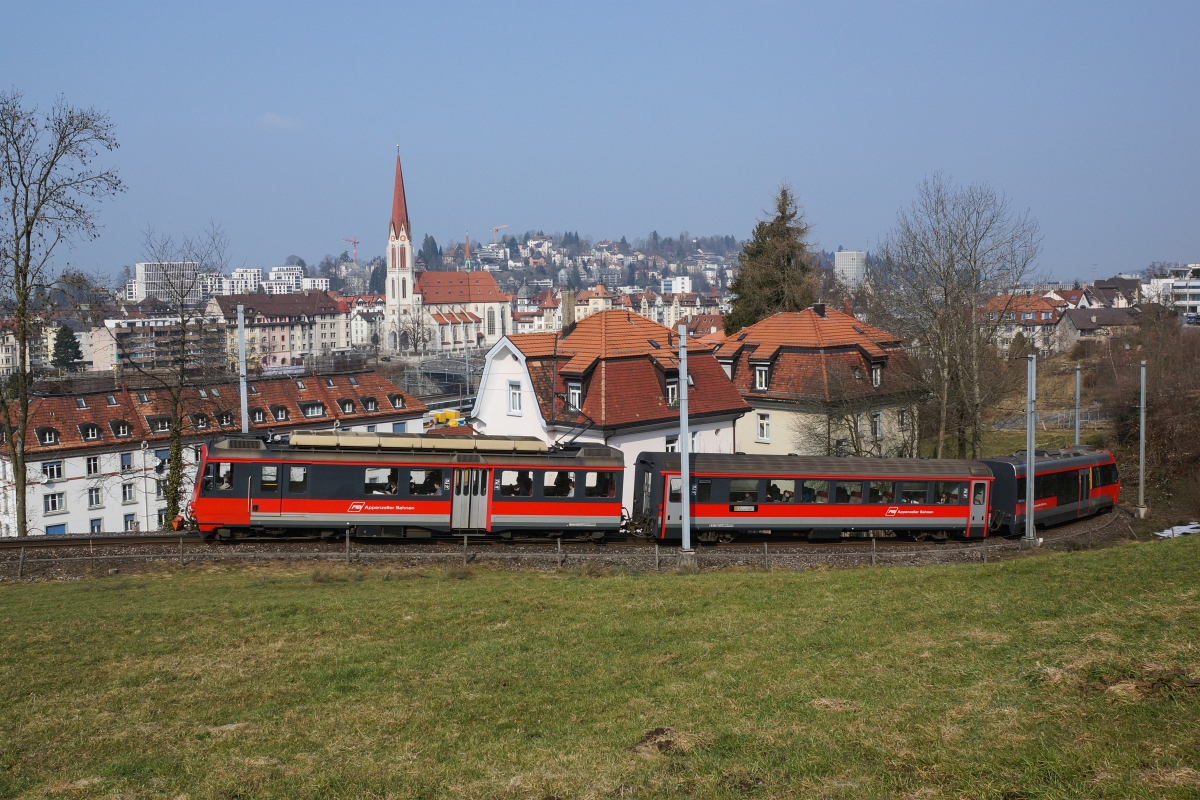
(191, 348)
(48, 189)
(952, 250)
(416, 329)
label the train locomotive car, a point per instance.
(406, 486)
(1067, 484)
(818, 497)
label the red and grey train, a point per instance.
(413, 486)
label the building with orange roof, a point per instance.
(821, 382)
(1035, 318)
(611, 378)
(95, 459)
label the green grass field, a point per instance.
(1058, 675)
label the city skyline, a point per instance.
(282, 127)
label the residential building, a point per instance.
(1035, 318)
(96, 461)
(850, 267)
(284, 329)
(1092, 324)
(169, 281)
(611, 378)
(820, 382)
(677, 284)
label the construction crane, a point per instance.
(354, 243)
(497, 228)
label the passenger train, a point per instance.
(413, 486)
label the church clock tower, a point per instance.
(400, 275)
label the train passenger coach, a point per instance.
(819, 497)
(1067, 484)
(406, 486)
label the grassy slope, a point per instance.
(980, 681)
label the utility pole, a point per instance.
(242, 366)
(687, 555)
(1030, 450)
(1077, 404)
(1141, 506)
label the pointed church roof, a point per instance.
(399, 205)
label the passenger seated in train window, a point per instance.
(814, 491)
(848, 492)
(980, 489)
(882, 492)
(558, 484)
(599, 484)
(381, 480)
(222, 472)
(780, 490)
(743, 490)
(913, 493)
(951, 493)
(516, 483)
(424, 481)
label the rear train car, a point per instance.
(1067, 484)
(406, 486)
(817, 497)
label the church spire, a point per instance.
(399, 204)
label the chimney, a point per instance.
(847, 307)
(819, 308)
(567, 304)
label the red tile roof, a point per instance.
(399, 205)
(282, 305)
(69, 421)
(459, 287)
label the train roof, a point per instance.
(823, 466)
(1066, 458)
(356, 445)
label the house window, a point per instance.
(693, 439)
(112, 401)
(672, 394)
(128, 493)
(353, 381)
(396, 400)
(143, 398)
(311, 410)
(762, 432)
(131, 522)
(95, 497)
(54, 502)
(162, 519)
(258, 415)
(671, 445)
(80, 403)
(90, 432)
(876, 374)
(95, 525)
(299, 384)
(200, 421)
(876, 425)
(224, 418)
(369, 404)
(160, 488)
(93, 465)
(56, 530)
(491, 321)
(514, 397)
(329, 381)
(281, 413)
(575, 395)
(902, 419)
(760, 378)
(161, 424)
(52, 470)
(126, 462)
(49, 436)
(121, 428)
(203, 393)
(347, 406)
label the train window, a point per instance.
(600, 484)
(297, 479)
(270, 479)
(424, 481)
(1068, 487)
(1045, 486)
(1020, 490)
(1104, 475)
(848, 492)
(557, 483)
(674, 496)
(980, 490)
(516, 483)
(814, 491)
(703, 490)
(914, 493)
(780, 490)
(882, 492)
(743, 490)
(381, 480)
(647, 482)
(218, 476)
(950, 493)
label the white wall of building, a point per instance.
(850, 266)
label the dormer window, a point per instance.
(313, 410)
(252, 389)
(396, 400)
(347, 406)
(575, 395)
(672, 392)
(89, 432)
(280, 413)
(369, 404)
(761, 377)
(258, 416)
(47, 436)
(876, 374)
(200, 421)
(224, 418)
(159, 424)
(120, 428)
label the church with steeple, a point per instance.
(436, 311)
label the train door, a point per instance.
(264, 490)
(979, 508)
(1084, 508)
(470, 504)
(674, 501)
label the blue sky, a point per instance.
(280, 121)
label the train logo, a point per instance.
(355, 507)
(891, 512)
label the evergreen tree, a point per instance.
(67, 352)
(431, 253)
(378, 284)
(775, 274)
